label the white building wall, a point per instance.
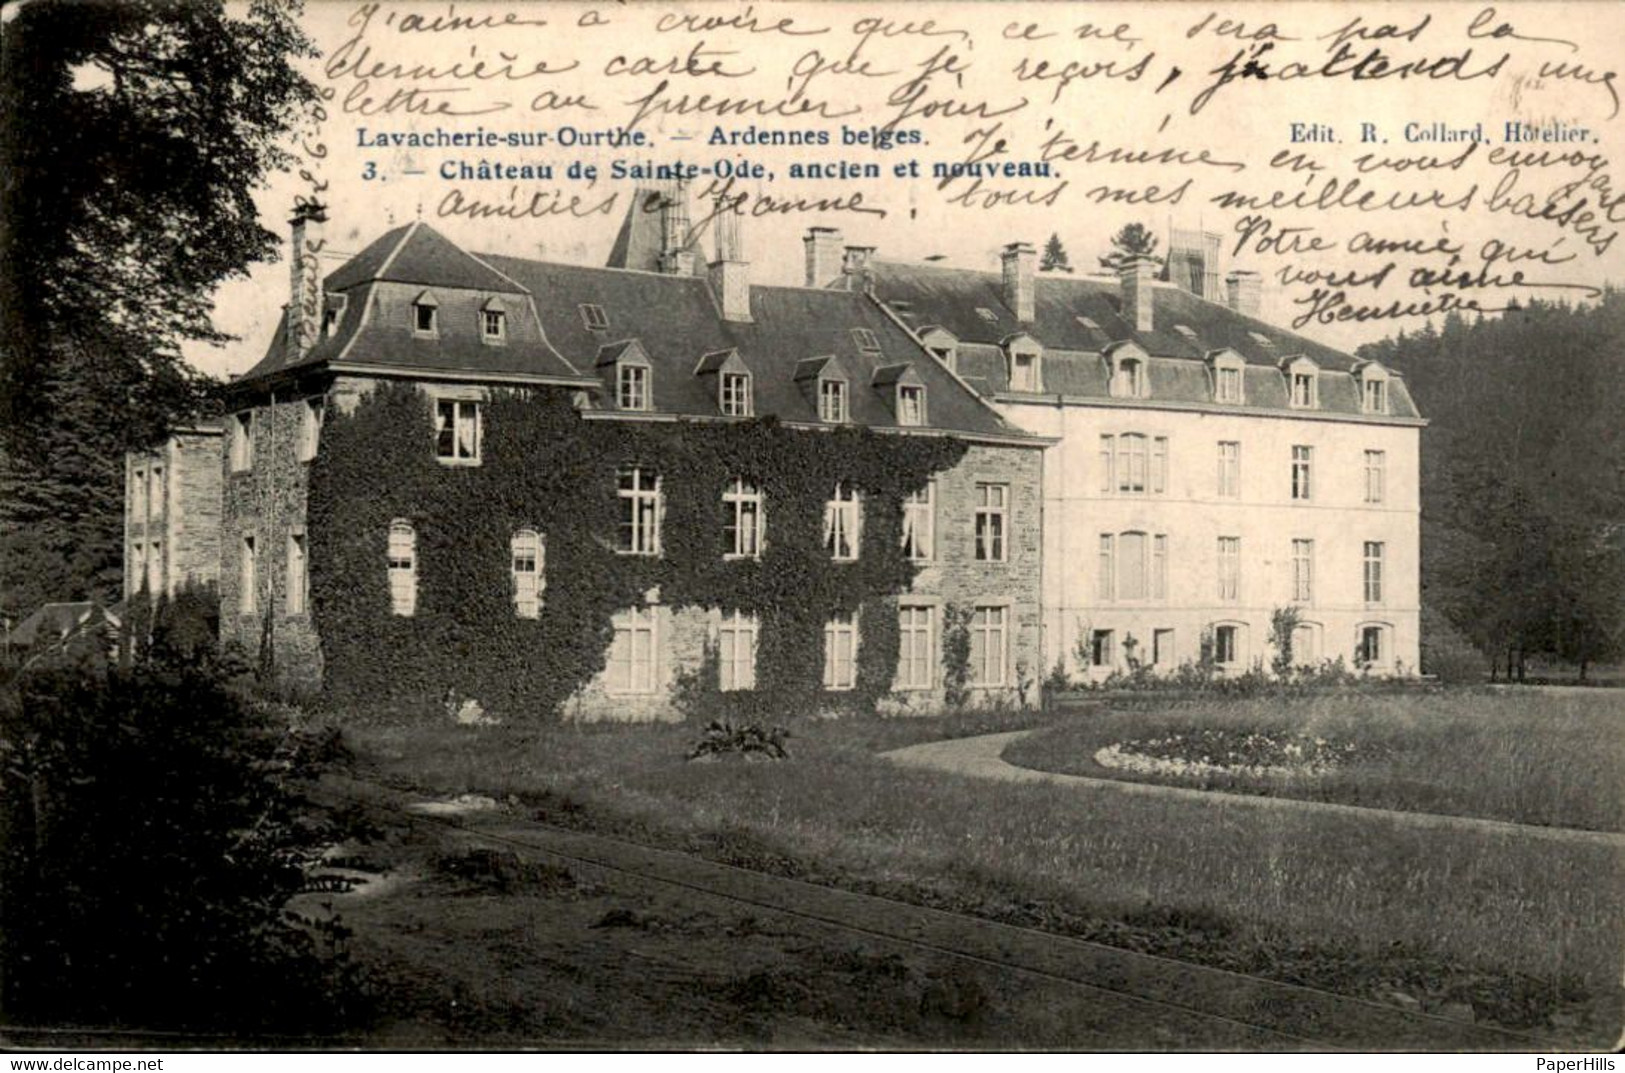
(1193, 516)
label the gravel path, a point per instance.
(983, 758)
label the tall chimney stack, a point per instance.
(1244, 292)
(1020, 260)
(1134, 276)
(676, 252)
(855, 263)
(305, 299)
(823, 246)
(730, 273)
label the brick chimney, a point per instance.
(676, 253)
(823, 246)
(1020, 260)
(1244, 292)
(1134, 276)
(305, 298)
(730, 272)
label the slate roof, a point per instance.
(674, 319)
(1077, 318)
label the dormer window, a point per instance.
(735, 400)
(910, 404)
(866, 340)
(493, 323)
(832, 400)
(1303, 384)
(1128, 378)
(425, 315)
(593, 317)
(942, 345)
(1374, 396)
(632, 387)
(1024, 356)
(1229, 377)
(1126, 366)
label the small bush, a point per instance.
(752, 742)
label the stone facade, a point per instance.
(172, 513)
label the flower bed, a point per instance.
(1224, 751)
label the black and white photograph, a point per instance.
(693, 526)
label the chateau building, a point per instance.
(1139, 475)
(1208, 468)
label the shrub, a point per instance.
(752, 742)
(152, 839)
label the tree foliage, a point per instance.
(132, 137)
(1131, 241)
(1523, 477)
(1054, 258)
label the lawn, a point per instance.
(1522, 756)
(1527, 932)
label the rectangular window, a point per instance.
(1229, 569)
(988, 646)
(310, 427)
(1376, 476)
(155, 568)
(1227, 645)
(457, 431)
(1303, 571)
(992, 522)
(493, 325)
(632, 391)
(1134, 464)
(916, 658)
(736, 652)
(242, 441)
(1303, 459)
(631, 663)
(1375, 552)
(1102, 648)
(910, 405)
(1371, 649)
(1131, 464)
(920, 524)
(1229, 469)
(1376, 396)
(832, 401)
(742, 520)
(1108, 464)
(1107, 572)
(156, 491)
(423, 318)
(1159, 567)
(841, 651)
(1303, 390)
(138, 495)
(528, 564)
(1131, 563)
(402, 561)
(843, 521)
(736, 395)
(1162, 648)
(138, 566)
(593, 317)
(638, 488)
(866, 340)
(1024, 372)
(298, 578)
(1228, 385)
(248, 580)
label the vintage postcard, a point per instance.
(813, 526)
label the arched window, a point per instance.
(403, 568)
(529, 579)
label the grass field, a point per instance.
(1525, 932)
(1523, 756)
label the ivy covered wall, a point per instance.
(547, 468)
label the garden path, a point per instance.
(983, 758)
